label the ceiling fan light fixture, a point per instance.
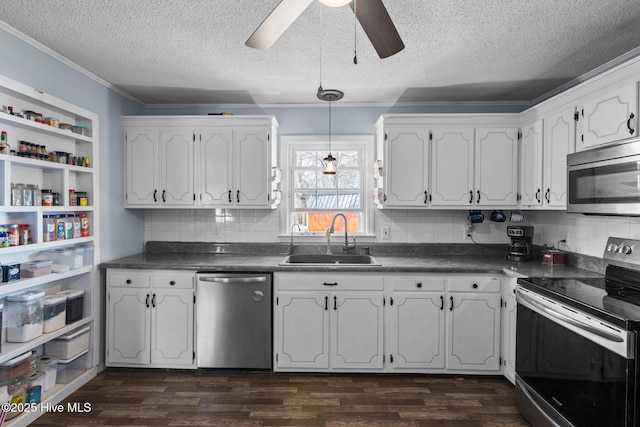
(335, 3)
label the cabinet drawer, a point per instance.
(173, 279)
(416, 283)
(474, 284)
(328, 281)
(128, 278)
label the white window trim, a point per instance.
(320, 142)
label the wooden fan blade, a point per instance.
(280, 18)
(378, 26)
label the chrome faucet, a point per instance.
(346, 246)
(292, 246)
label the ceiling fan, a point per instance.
(371, 14)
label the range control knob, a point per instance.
(612, 247)
(625, 249)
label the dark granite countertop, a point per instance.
(427, 258)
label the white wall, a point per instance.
(121, 231)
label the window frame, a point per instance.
(290, 143)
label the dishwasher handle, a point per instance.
(253, 279)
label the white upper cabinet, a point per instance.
(407, 165)
(496, 175)
(559, 140)
(453, 166)
(199, 161)
(609, 115)
(531, 164)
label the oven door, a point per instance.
(572, 369)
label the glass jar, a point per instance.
(56, 199)
(27, 195)
(47, 197)
(24, 234)
(4, 239)
(83, 200)
(73, 197)
(14, 235)
(16, 194)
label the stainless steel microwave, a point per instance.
(606, 180)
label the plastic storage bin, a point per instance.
(48, 365)
(37, 379)
(71, 257)
(14, 368)
(70, 369)
(54, 312)
(75, 304)
(24, 316)
(69, 345)
(36, 268)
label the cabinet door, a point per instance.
(496, 166)
(509, 335)
(301, 334)
(452, 167)
(407, 154)
(252, 170)
(610, 117)
(216, 166)
(142, 166)
(559, 140)
(357, 330)
(128, 326)
(417, 330)
(176, 169)
(474, 332)
(172, 327)
(531, 164)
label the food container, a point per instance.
(54, 312)
(34, 394)
(48, 365)
(70, 369)
(553, 257)
(24, 316)
(51, 121)
(87, 256)
(36, 268)
(10, 272)
(66, 126)
(14, 368)
(37, 379)
(75, 304)
(69, 345)
(82, 130)
(33, 363)
(17, 390)
(71, 257)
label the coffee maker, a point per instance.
(520, 245)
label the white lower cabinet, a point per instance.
(509, 329)
(448, 324)
(150, 318)
(327, 321)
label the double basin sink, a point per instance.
(329, 259)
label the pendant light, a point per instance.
(329, 163)
(335, 3)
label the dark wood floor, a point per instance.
(221, 398)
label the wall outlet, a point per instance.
(467, 230)
(386, 232)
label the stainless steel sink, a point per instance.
(329, 259)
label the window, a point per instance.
(315, 198)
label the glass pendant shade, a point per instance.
(329, 165)
(335, 3)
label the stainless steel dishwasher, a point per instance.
(233, 320)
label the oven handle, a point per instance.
(253, 279)
(566, 319)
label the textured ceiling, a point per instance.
(192, 52)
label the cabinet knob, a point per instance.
(474, 286)
(418, 285)
(128, 281)
(172, 283)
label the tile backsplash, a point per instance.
(583, 234)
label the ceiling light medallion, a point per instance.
(335, 3)
(329, 163)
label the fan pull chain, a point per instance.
(355, 38)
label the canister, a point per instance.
(48, 365)
(24, 316)
(75, 304)
(54, 312)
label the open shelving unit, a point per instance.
(60, 178)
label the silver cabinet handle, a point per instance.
(255, 279)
